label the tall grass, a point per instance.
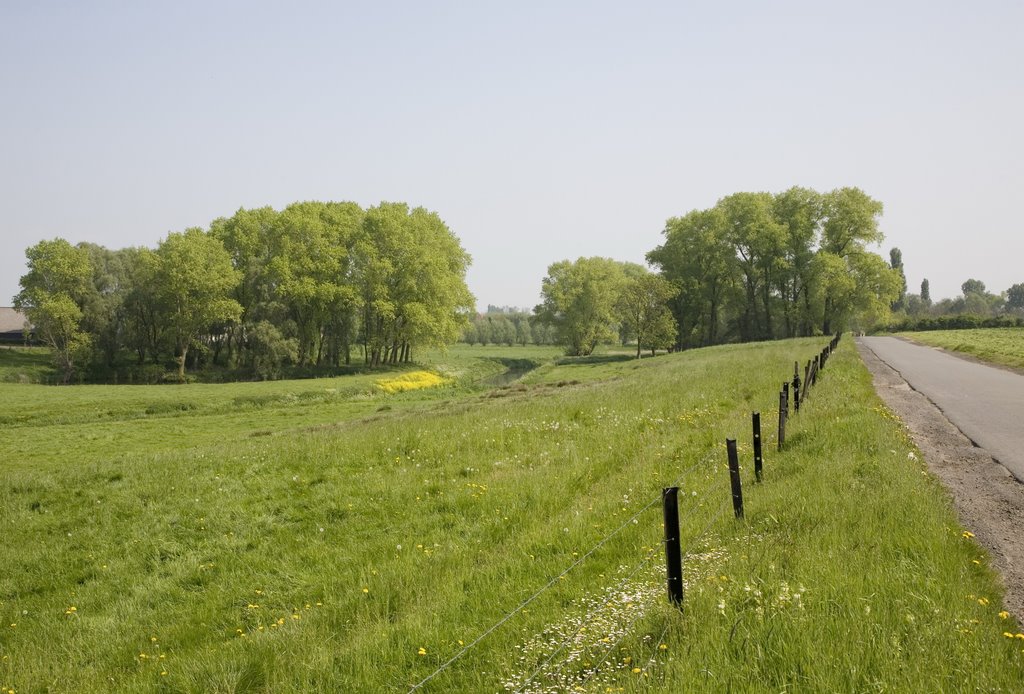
(355, 548)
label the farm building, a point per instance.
(12, 325)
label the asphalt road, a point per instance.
(984, 402)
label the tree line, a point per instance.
(756, 266)
(308, 285)
(974, 307)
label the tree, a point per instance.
(411, 271)
(973, 286)
(1015, 297)
(579, 301)
(699, 260)
(269, 350)
(758, 239)
(926, 296)
(51, 297)
(800, 211)
(642, 307)
(850, 224)
(896, 263)
(194, 282)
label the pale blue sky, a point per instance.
(537, 130)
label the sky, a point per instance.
(538, 131)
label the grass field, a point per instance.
(997, 345)
(328, 536)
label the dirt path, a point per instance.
(987, 497)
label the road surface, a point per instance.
(984, 402)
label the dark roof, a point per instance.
(11, 321)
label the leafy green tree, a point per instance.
(896, 263)
(800, 211)
(51, 297)
(759, 239)
(194, 282)
(411, 271)
(850, 224)
(661, 333)
(643, 310)
(579, 301)
(926, 295)
(699, 260)
(1015, 297)
(270, 350)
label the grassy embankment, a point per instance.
(329, 536)
(1003, 346)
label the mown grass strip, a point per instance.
(1003, 346)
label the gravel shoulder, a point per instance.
(988, 498)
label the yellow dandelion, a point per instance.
(636, 671)
(968, 534)
(662, 647)
(366, 590)
(153, 639)
(1004, 614)
(982, 601)
(1007, 634)
(163, 673)
(422, 651)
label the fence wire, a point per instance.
(629, 521)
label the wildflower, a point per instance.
(982, 601)
(1007, 634)
(968, 534)
(422, 651)
(366, 590)
(636, 671)
(1004, 614)
(662, 647)
(71, 610)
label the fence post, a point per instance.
(782, 419)
(734, 478)
(807, 376)
(758, 461)
(673, 554)
(785, 390)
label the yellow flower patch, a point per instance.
(413, 380)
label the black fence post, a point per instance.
(734, 477)
(782, 419)
(758, 461)
(673, 554)
(785, 390)
(807, 376)
(796, 394)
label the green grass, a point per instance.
(25, 364)
(1003, 346)
(319, 543)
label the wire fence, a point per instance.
(800, 390)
